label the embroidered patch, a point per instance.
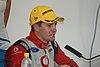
(45, 61)
(34, 49)
(16, 49)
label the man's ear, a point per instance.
(36, 27)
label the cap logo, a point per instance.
(47, 11)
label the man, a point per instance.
(41, 40)
(4, 15)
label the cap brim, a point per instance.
(59, 19)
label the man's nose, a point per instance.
(54, 28)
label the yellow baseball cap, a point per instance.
(45, 14)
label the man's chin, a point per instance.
(52, 39)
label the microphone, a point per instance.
(78, 53)
(73, 51)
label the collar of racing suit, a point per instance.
(34, 39)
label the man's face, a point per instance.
(46, 32)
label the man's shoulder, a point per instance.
(15, 49)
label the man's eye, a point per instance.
(49, 25)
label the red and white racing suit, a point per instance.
(42, 54)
